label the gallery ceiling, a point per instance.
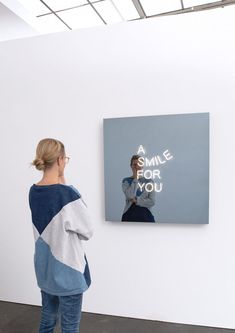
(58, 15)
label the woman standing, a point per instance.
(60, 222)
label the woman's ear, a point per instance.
(58, 160)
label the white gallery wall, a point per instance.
(62, 85)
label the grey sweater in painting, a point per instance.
(132, 190)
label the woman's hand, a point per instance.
(133, 200)
(135, 173)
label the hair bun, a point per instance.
(39, 163)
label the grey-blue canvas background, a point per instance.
(185, 194)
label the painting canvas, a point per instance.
(156, 168)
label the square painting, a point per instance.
(156, 168)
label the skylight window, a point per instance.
(60, 15)
(50, 23)
(108, 11)
(35, 7)
(153, 7)
(63, 4)
(82, 17)
(192, 3)
(126, 9)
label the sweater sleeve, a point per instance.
(78, 219)
(129, 189)
(146, 199)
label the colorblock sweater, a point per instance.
(132, 190)
(61, 221)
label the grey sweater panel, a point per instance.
(132, 190)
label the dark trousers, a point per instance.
(138, 214)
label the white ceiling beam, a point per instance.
(206, 6)
(139, 8)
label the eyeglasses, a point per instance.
(67, 159)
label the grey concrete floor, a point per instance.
(20, 318)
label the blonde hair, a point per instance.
(47, 152)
